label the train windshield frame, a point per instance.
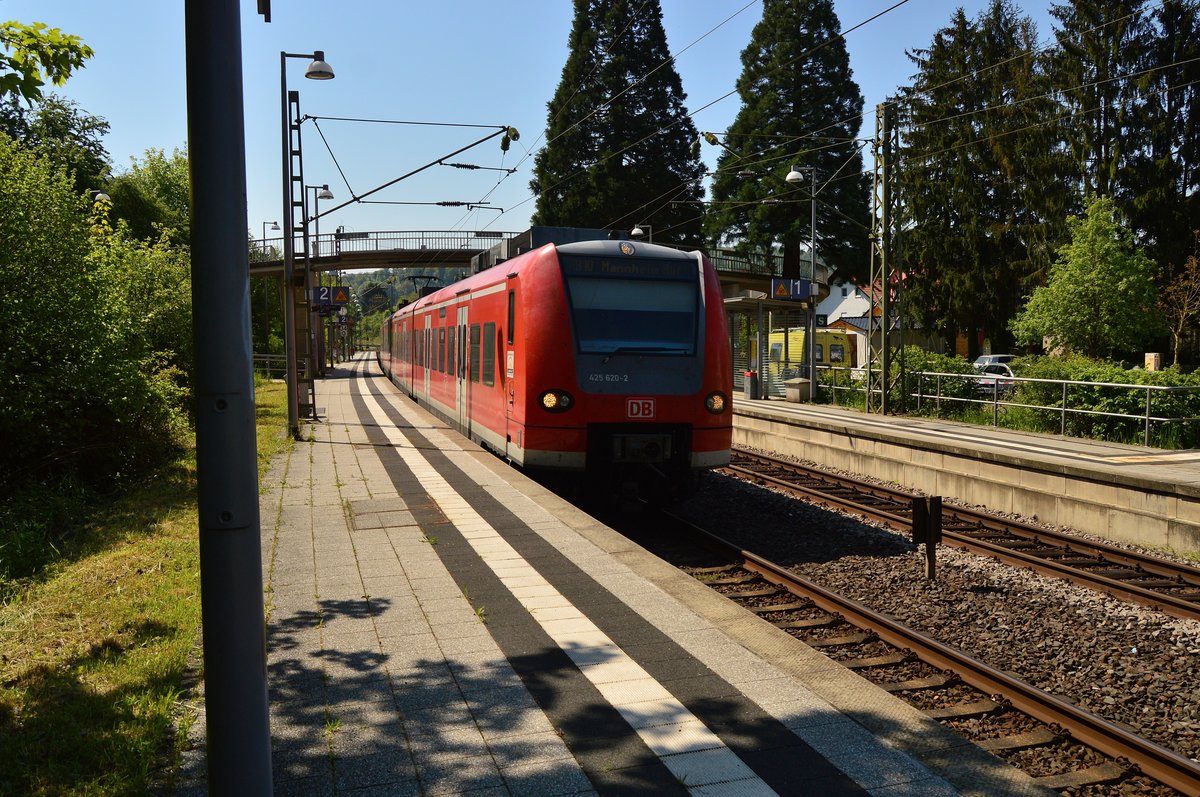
(638, 306)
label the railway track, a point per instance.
(1022, 723)
(1160, 584)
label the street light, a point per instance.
(796, 176)
(311, 215)
(319, 192)
(274, 226)
(267, 294)
(318, 69)
(638, 232)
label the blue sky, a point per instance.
(468, 62)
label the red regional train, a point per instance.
(606, 359)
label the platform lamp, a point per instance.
(640, 230)
(311, 215)
(318, 69)
(796, 176)
(267, 293)
(263, 240)
(319, 192)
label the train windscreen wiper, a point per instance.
(643, 350)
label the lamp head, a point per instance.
(325, 193)
(795, 175)
(319, 69)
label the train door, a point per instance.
(461, 390)
(428, 352)
(509, 363)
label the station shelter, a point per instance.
(766, 339)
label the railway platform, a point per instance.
(1126, 493)
(440, 624)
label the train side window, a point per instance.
(820, 352)
(837, 353)
(489, 353)
(442, 349)
(512, 314)
(450, 351)
(474, 352)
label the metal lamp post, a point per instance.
(311, 216)
(319, 192)
(267, 295)
(795, 176)
(263, 240)
(318, 69)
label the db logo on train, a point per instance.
(639, 409)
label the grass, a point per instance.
(94, 648)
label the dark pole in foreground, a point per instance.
(239, 740)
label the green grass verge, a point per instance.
(94, 649)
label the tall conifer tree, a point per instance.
(621, 147)
(800, 108)
(1164, 202)
(1101, 46)
(979, 176)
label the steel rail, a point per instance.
(1160, 601)
(1160, 567)
(1165, 766)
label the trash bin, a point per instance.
(796, 389)
(750, 384)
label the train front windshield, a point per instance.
(634, 306)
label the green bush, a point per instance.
(921, 392)
(1099, 398)
(95, 346)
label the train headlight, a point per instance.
(557, 401)
(716, 402)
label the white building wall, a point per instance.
(844, 299)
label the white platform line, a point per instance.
(697, 757)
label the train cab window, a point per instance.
(441, 364)
(489, 353)
(649, 316)
(512, 314)
(474, 352)
(450, 351)
(837, 353)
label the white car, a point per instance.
(992, 359)
(996, 379)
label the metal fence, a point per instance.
(1073, 399)
(273, 365)
(334, 243)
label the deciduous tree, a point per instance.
(63, 133)
(1180, 300)
(1100, 299)
(153, 196)
(34, 54)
